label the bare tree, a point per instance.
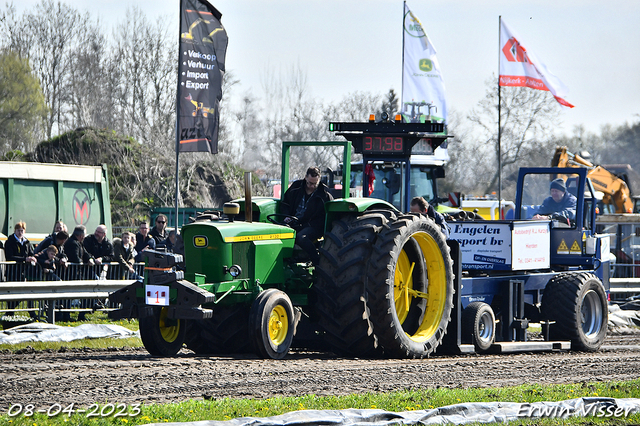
(90, 101)
(355, 106)
(161, 72)
(528, 120)
(56, 30)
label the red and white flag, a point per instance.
(520, 67)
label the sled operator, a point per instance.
(560, 202)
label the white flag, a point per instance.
(520, 67)
(422, 83)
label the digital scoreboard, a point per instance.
(391, 139)
(382, 144)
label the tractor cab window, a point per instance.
(422, 181)
(386, 181)
(382, 180)
(549, 196)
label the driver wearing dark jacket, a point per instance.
(560, 203)
(305, 200)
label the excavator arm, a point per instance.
(616, 191)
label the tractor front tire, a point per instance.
(160, 335)
(577, 302)
(339, 292)
(272, 324)
(410, 287)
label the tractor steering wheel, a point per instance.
(281, 219)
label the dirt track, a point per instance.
(128, 376)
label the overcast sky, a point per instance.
(356, 45)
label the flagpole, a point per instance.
(404, 8)
(499, 127)
(177, 195)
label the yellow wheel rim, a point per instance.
(169, 332)
(278, 325)
(436, 294)
(403, 286)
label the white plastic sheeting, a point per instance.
(624, 317)
(43, 332)
(482, 412)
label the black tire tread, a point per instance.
(225, 333)
(340, 299)
(394, 341)
(152, 337)
(259, 335)
(561, 303)
(470, 316)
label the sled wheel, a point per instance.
(160, 335)
(271, 323)
(478, 325)
(577, 302)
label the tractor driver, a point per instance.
(305, 200)
(560, 203)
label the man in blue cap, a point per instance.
(560, 203)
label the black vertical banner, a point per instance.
(203, 46)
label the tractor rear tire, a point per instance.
(225, 333)
(410, 287)
(160, 335)
(272, 324)
(339, 292)
(577, 302)
(479, 326)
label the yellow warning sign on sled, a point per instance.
(575, 248)
(562, 248)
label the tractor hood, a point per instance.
(212, 247)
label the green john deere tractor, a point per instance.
(383, 287)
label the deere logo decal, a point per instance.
(426, 65)
(81, 205)
(200, 241)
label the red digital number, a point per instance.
(380, 144)
(368, 143)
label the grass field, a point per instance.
(226, 409)
(94, 318)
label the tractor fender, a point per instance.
(352, 205)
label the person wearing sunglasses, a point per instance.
(159, 231)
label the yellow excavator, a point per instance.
(615, 189)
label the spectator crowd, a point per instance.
(74, 255)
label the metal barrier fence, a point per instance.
(75, 288)
(624, 241)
